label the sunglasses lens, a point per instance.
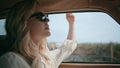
(46, 20)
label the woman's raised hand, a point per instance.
(70, 18)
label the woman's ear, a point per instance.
(29, 24)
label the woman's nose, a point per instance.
(46, 23)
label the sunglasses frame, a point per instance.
(40, 16)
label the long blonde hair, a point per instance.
(18, 35)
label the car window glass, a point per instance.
(2, 27)
(97, 33)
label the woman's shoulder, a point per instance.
(9, 55)
(12, 60)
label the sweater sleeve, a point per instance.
(65, 50)
(13, 60)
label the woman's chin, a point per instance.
(48, 34)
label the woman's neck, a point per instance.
(37, 40)
(43, 44)
(40, 42)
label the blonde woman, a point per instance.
(27, 29)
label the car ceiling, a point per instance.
(111, 7)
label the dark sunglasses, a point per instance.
(40, 16)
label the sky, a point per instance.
(90, 27)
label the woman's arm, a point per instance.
(69, 45)
(70, 18)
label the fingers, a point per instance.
(70, 17)
(69, 14)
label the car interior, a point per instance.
(51, 7)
